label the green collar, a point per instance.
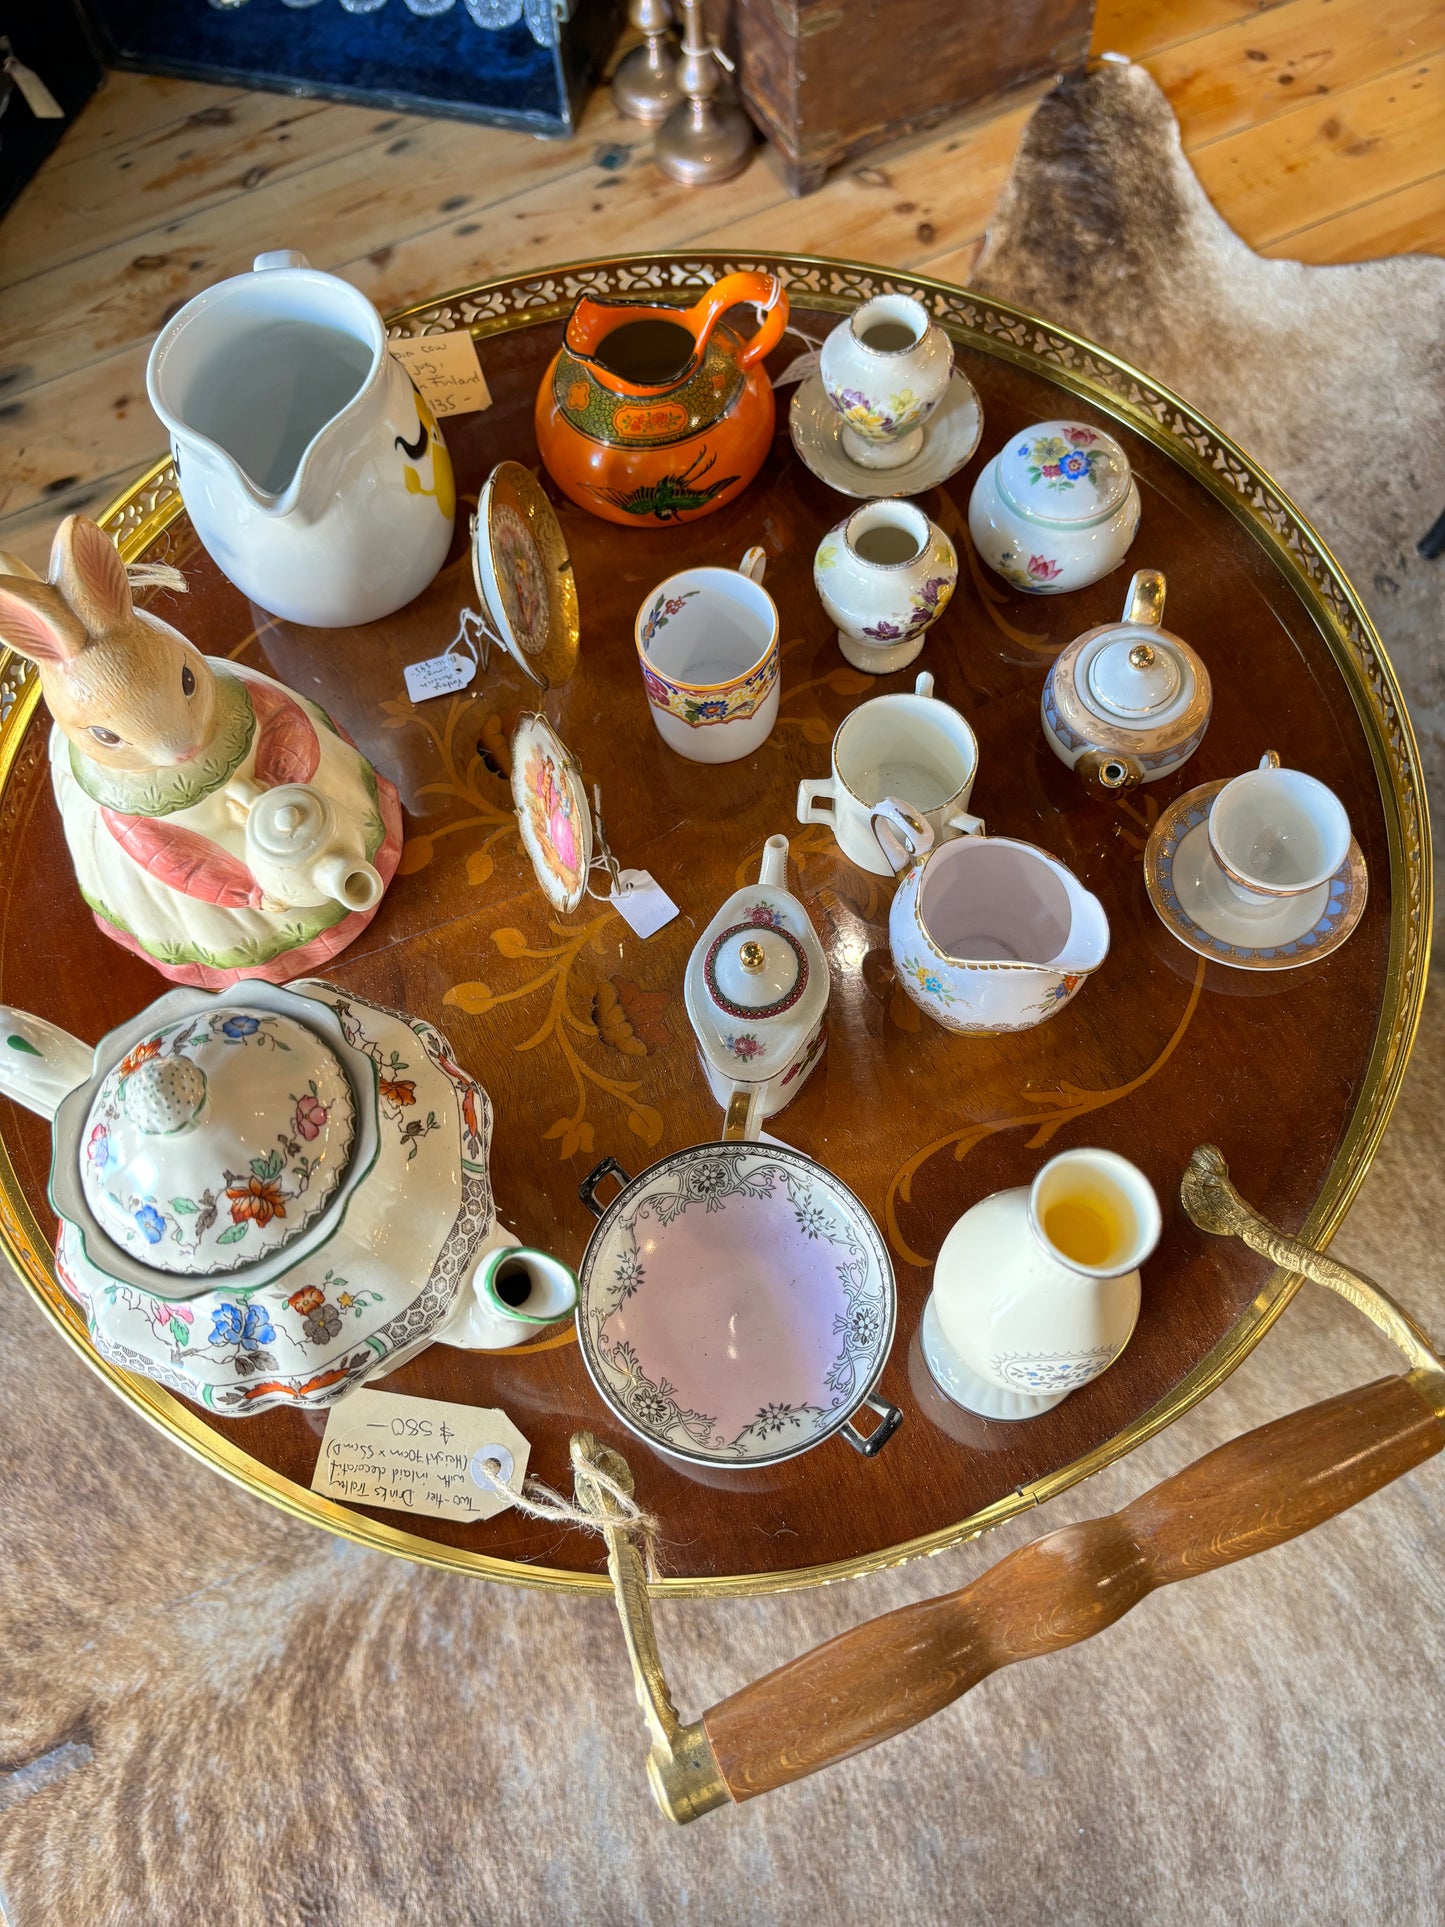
(160, 792)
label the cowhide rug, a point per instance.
(211, 1713)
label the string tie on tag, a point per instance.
(617, 1508)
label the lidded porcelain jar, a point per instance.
(884, 574)
(756, 992)
(885, 369)
(1128, 702)
(1036, 1290)
(1056, 508)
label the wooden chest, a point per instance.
(828, 79)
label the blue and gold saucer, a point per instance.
(1196, 904)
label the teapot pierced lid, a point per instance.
(1063, 472)
(217, 1139)
(755, 969)
(1131, 685)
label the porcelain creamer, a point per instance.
(987, 934)
(1056, 508)
(312, 470)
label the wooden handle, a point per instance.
(881, 1678)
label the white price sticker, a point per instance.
(419, 1455)
(446, 369)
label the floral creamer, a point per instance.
(987, 934)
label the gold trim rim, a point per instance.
(983, 324)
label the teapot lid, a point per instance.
(1063, 472)
(1134, 675)
(755, 969)
(217, 1140)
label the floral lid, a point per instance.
(1063, 472)
(215, 1141)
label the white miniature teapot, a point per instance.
(1127, 703)
(756, 992)
(269, 1196)
(312, 470)
(987, 934)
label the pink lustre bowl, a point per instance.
(736, 1306)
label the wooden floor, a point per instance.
(1317, 127)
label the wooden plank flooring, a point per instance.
(1316, 126)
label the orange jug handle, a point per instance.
(764, 291)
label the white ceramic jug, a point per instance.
(312, 470)
(987, 933)
(1036, 1290)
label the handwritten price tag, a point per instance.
(418, 1455)
(438, 676)
(447, 370)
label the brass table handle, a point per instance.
(881, 1678)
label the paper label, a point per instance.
(447, 369)
(643, 904)
(418, 1455)
(439, 676)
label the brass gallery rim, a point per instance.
(1131, 398)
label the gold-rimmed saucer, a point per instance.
(1195, 903)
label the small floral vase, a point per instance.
(884, 574)
(885, 370)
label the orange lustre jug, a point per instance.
(651, 416)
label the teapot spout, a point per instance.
(40, 1064)
(1088, 939)
(774, 871)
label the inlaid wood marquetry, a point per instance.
(577, 1028)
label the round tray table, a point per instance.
(577, 1027)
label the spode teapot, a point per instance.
(268, 1197)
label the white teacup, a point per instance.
(914, 748)
(707, 640)
(1276, 833)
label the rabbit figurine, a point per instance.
(160, 757)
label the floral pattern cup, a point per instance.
(707, 640)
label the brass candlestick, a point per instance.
(704, 138)
(645, 85)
